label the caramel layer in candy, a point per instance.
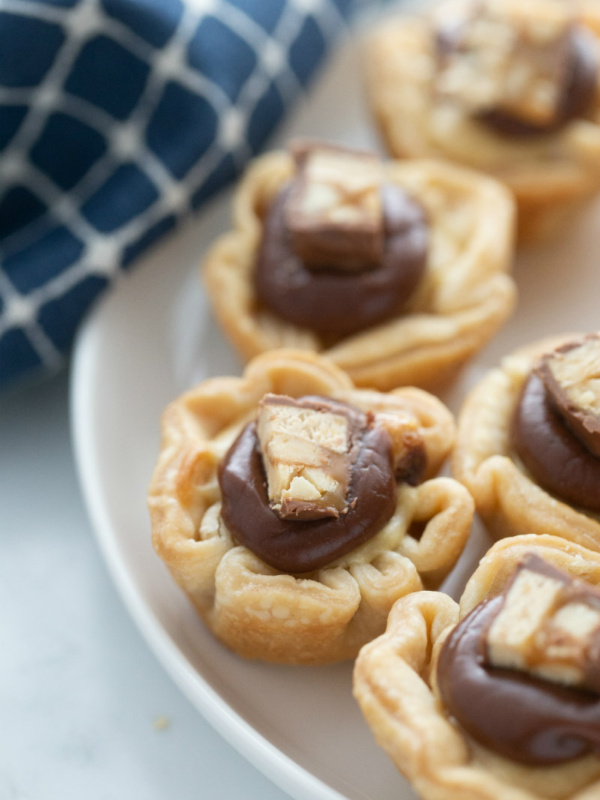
(571, 376)
(548, 626)
(334, 212)
(306, 449)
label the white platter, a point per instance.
(154, 337)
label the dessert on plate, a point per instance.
(498, 697)
(503, 86)
(294, 509)
(396, 271)
(528, 446)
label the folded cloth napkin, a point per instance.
(117, 118)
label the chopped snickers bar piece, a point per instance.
(334, 212)
(548, 626)
(509, 59)
(410, 456)
(571, 376)
(306, 454)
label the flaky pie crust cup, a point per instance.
(462, 300)
(394, 683)
(313, 618)
(507, 498)
(551, 176)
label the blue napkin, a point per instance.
(117, 118)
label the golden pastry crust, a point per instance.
(464, 297)
(551, 176)
(507, 498)
(394, 683)
(317, 617)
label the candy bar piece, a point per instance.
(410, 456)
(548, 626)
(334, 211)
(571, 375)
(306, 454)
(507, 58)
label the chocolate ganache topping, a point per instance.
(524, 82)
(301, 519)
(523, 717)
(545, 436)
(356, 263)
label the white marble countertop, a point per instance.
(87, 711)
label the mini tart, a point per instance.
(258, 611)
(462, 300)
(507, 498)
(551, 175)
(394, 683)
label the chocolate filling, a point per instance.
(554, 456)
(523, 718)
(306, 545)
(331, 302)
(576, 94)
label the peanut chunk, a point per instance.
(548, 626)
(306, 454)
(571, 375)
(334, 211)
(511, 57)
